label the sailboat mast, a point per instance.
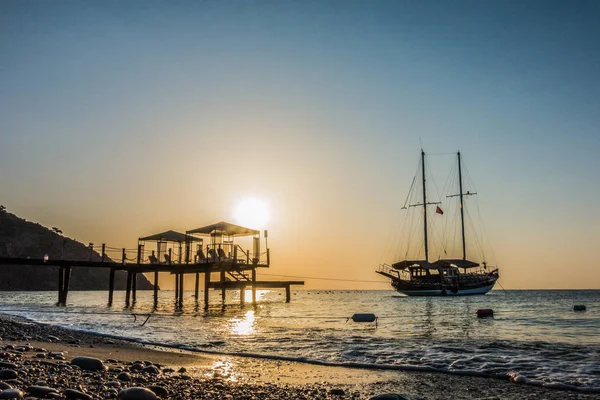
(462, 214)
(425, 207)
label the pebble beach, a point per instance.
(46, 362)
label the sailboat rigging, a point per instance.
(443, 277)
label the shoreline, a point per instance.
(246, 372)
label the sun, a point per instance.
(252, 213)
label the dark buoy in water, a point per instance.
(485, 313)
(579, 307)
(363, 318)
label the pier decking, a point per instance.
(236, 268)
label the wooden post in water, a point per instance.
(128, 289)
(103, 252)
(155, 288)
(197, 287)
(181, 289)
(223, 286)
(176, 287)
(134, 287)
(60, 285)
(253, 285)
(111, 286)
(66, 285)
(243, 295)
(288, 294)
(206, 287)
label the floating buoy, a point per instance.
(364, 318)
(485, 313)
(579, 307)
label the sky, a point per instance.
(123, 119)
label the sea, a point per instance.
(535, 337)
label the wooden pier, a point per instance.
(237, 268)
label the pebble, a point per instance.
(136, 393)
(11, 394)
(4, 385)
(8, 374)
(159, 390)
(138, 366)
(8, 365)
(151, 369)
(40, 391)
(89, 363)
(124, 376)
(73, 394)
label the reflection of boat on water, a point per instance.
(446, 276)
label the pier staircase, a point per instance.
(239, 276)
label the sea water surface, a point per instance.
(535, 337)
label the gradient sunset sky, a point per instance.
(119, 119)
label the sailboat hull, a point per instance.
(411, 288)
(444, 292)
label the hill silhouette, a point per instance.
(21, 238)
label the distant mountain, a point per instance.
(21, 238)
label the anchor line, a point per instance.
(195, 315)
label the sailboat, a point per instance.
(445, 276)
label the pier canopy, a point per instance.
(169, 236)
(224, 229)
(223, 248)
(166, 253)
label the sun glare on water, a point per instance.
(252, 213)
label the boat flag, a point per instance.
(439, 210)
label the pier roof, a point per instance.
(224, 228)
(169, 236)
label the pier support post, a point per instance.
(134, 287)
(288, 294)
(223, 287)
(181, 290)
(197, 287)
(60, 285)
(155, 288)
(243, 295)
(64, 275)
(176, 287)
(206, 287)
(128, 289)
(66, 285)
(254, 285)
(111, 286)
